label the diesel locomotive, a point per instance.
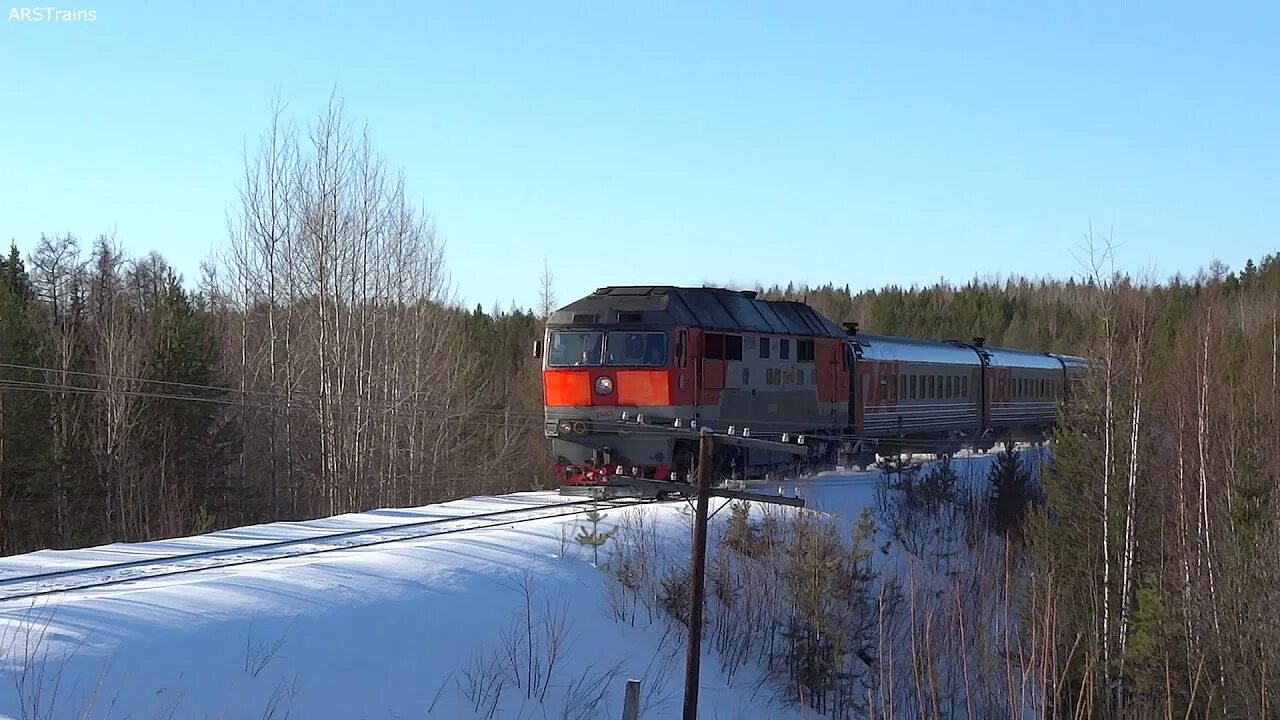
(700, 356)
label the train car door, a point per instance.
(835, 393)
(694, 351)
(999, 392)
(859, 380)
(712, 377)
(685, 391)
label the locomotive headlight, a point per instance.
(604, 385)
(566, 427)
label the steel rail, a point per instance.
(162, 563)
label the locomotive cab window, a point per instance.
(680, 349)
(732, 347)
(631, 349)
(570, 348)
(713, 346)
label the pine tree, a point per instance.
(190, 445)
(594, 537)
(741, 536)
(938, 487)
(1011, 492)
(31, 506)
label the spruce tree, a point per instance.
(1011, 492)
(595, 537)
(740, 535)
(31, 505)
(190, 442)
(938, 487)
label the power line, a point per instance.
(291, 395)
(475, 417)
(342, 404)
(464, 417)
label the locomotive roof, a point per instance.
(1019, 358)
(948, 352)
(909, 349)
(710, 308)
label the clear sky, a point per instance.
(652, 142)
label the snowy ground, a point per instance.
(399, 630)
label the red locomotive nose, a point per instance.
(604, 387)
(607, 387)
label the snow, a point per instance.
(381, 632)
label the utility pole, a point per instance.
(697, 581)
(705, 490)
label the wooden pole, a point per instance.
(631, 705)
(697, 579)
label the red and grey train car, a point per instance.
(725, 358)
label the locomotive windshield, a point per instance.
(636, 348)
(569, 348)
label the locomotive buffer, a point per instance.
(703, 494)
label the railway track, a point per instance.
(31, 586)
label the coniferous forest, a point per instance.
(319, 365)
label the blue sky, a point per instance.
(635, 143)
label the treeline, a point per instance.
(131, 408)
(1051, 315)
(1148, 577)
(1157, 553)
(320, 365)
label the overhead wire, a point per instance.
(339, 408)
(342, 405)
(291, 395)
